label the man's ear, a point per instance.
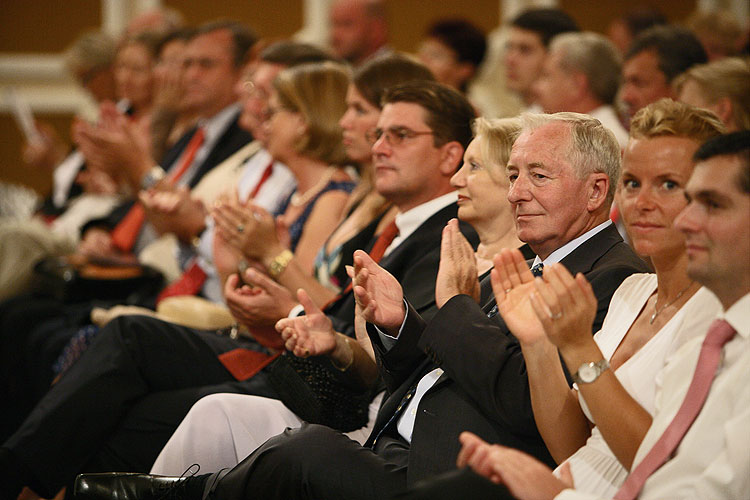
(599, 187)
(451, 158)
(723, 109)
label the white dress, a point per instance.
(220, 430)
(595, 468)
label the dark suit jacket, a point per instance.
(484, 388)
(414, 263)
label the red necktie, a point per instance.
(719, 334)
(191, 281)
(126, 231)
(385, 239)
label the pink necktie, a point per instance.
(719, 334)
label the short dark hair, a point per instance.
(676, 47)
(734, 144)
(243, 37)
(289, 53)
(465, 39)
(448, 113)
(376, 75)
(545, 22)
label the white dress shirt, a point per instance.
(713, 459)
(607, 115)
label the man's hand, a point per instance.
(308, 335)
(378, 294)
(96, 242)
(513, 286)
(259, 302)
(524, 476)
(173, 210)
(457, 273)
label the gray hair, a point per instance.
(592, 148)
(593, 55)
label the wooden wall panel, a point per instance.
(595, 15)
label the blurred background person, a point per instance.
(722, 87)
(718, 31)
(358, 29)
(622, 30)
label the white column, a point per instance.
(314, 22)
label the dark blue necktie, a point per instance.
(536, 271)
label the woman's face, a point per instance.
(652, 192)
(481, 198)
(360, 117)
(134, 75)
(283, 128)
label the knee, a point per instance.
(312, 441)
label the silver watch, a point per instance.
(589, 372)
(154, 175)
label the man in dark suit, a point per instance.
(131, 388)
(463, 370)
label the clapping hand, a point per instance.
(378, 294)
(308, 335)
(457, 273)
(249, 228)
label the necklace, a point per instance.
(301, 199)
(659, 311)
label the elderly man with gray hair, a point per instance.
(582, 73)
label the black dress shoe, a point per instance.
(129, 486)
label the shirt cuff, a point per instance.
(296, 311)
(389, 341)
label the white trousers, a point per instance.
(221, 430)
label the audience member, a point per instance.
(718, 31)
(654, 59)
(526, 48)
(359, 29)
(582, 74)
(720, 87)
(453, 49)
(623, 29)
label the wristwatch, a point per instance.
(150, 178)
(589, 372)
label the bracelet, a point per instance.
(351, 361)
(279, 263)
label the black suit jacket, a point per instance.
(414, 263)
(484, 388)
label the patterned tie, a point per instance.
(536, 271)
(399, 410)
(127, 230)
(719, 334)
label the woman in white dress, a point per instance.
(596, 428)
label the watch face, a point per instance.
(587, 373)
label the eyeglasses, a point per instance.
(395, 135)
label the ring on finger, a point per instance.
(508, 290)
(240, 228)
(555, 316)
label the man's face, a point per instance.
(443, 62)
(255, 90)
(524, 57)
(406, 165)
(349, 30)
(643, 81)
(210, 74)
(555, 87)
(716, 224)
(549, 200)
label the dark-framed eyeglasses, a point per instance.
(395, 135)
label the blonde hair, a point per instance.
(729, 77)
(317, 91)
(666, 117)
(592, 148)
(496, 138)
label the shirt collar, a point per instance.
(216, 125)
(738, 315)
(567, 248)
(408, 222)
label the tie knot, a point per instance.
(719, 333)
(537, 269)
